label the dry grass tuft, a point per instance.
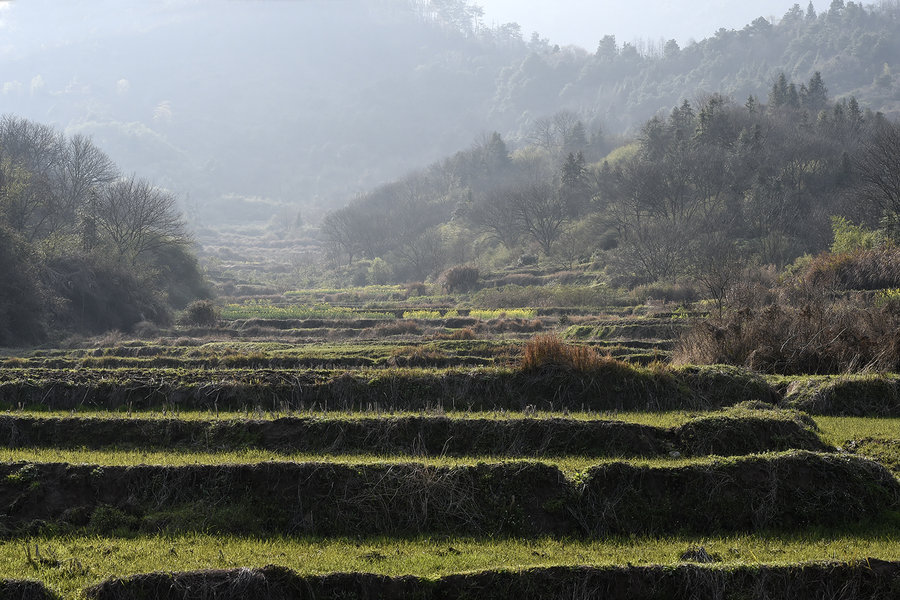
(399, 327)
(466, 333)
(549, 351)
(818, 335)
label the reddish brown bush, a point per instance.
(466, 333)
(416, 288)
(397, 328)
(549, 351)
(460, 278)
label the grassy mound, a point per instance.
(405, 435)
(286, 498)
(793, 490)
(846, 395)
(746, 432)
(885, 451)
(12, 589)
(870, 579)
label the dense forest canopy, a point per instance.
(255, 109)
(83, 247)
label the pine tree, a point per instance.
(816, 96)
(778, 96)
(811, 12)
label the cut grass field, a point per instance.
(73, 563)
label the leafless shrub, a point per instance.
(797, 327)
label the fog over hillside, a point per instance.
(258, 99)
(249, 110)
(636, 20)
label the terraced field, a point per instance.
(311, 458)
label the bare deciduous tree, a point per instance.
(540, 213)
(878, 168)
(424, 255)
(83, 167)
(138, 218)
(493, 215)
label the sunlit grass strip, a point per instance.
(368, 290)
(570, 465)
(656, 419)
(266, 310)
(502, 313)
(430, 314)
(837, 430)
(834, 430)
(83, 561)
(422, 314)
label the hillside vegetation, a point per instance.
(701, 193)
(83, 247)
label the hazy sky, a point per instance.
(584, 22)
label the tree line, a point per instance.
(855, 47)
(84, 248)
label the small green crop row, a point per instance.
(266, 310)
(483, 314)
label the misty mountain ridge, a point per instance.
(246, 110)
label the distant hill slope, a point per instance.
(249, 110)
(855, 48)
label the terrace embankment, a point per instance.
(871, 579)
(617, 387)
(728, 433)
(760, 492)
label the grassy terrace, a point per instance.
(834, 430)
(68, 564)
(875, 438)
(190, 504)
(572, 466)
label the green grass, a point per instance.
(838, 430)
(833, 430)
(874, 438)
(368, 291)
(570, 465)
(84, 561)
(502, 313)
(222, 354)
(656, 419)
